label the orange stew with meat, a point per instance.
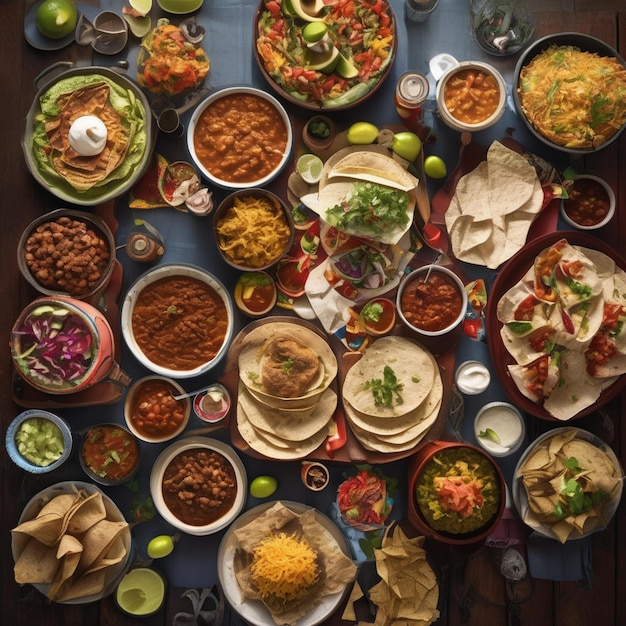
(434, 305)
(154, 412)
(110, 452)
(179, 322)
(240, 138)
(588, 202)
(199, 486)
(471, 96)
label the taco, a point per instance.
(537, 380)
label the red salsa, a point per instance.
(153, 411)
(431, 306)
(110, 452)
(378, 316)
(588, 202)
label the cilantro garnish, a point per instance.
(387, 390)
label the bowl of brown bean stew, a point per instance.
(198, 485)
(240, 137)
(67, 253)
(177, 319)
(471, 96)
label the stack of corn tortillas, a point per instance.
(392, 395)
(285, 405)
(493, 207)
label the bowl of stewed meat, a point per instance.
(198, 485)
(67, 253)
(431, 302)
(152, 412)
(177, 319)
(240, 137)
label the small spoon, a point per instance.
(432, 237)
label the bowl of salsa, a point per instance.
(590, 205)
(109, 454)
(151, 412)
(255, 293)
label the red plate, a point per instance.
(510, 274)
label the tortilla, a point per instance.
(412, 365)
(375, 168)
(493, 207)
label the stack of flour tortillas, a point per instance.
(493, 207)
(285, 405)
(392, 395)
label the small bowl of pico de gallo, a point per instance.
(590, 203)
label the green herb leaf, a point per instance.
(490, 434)
(387, 390)
(287, 365)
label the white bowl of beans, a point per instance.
(199, 485)
(590, 205)
(177, 320)
(67, 253)
(471, 96)
(151, 412)
(240, 137)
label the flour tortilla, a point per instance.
(412, 365)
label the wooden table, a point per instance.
(477, 593)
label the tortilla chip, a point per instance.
(36, 564)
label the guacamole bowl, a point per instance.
(56, 142)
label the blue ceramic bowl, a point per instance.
(18, 453)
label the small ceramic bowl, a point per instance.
(591, 203)
(38, 441)
(144, 421)
(213, 404)
(499, 428)
(109, 454)
(141, 592)
(378, 316)
(255, 293)
(319, 133)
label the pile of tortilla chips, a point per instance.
(573, 487)
(71, 545)
(408, 593)
(493, 207)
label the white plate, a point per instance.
(520, 497)
(189, 443)
(254, 611)
(115, 573)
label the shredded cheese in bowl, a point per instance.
(284, 567)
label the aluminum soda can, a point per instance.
(411, 93)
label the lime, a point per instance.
(139, 26)
(346, 68)
(406, 145)
(160, 546)
(322, 61)
(263, 486)
(435, 167)
(142, 7)
(309, 166)
(361, 133)
(314, 31)
(56, 18)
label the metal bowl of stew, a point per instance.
(109, 454)
(199, 502)
(177, 319)
(240, 137)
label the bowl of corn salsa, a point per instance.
(590, 205)
(109, 454)
(240, 137)
(457, 493)
(38, 441)
(471, 96)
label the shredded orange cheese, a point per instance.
(284, 566)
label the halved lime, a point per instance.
(141, 6)
(345, 68)
(314, 32)
(139, 26)
(310, 166)
(323, 61)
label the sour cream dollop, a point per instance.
(88, 135)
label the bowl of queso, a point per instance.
(109, 454)
(240, 137)
(471, 96)
(590, 205)
(434, 308)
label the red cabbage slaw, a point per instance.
(53, 347)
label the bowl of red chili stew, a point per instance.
(151, 412)
(590, 205)
(198, 485)
(109, 454)
(240, 137)
(177, 320)
(471, 96)
(433, 305)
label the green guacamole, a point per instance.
(127, 105)
(458, 491)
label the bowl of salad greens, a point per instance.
(38, 441)
(61, 345)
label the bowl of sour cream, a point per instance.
(499, 428)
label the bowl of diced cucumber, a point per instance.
(38, 441)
